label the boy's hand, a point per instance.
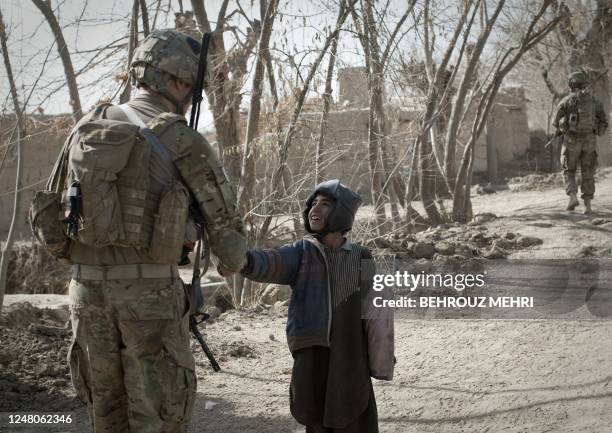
(223, 271)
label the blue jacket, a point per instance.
(302, 265)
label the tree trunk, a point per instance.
(224, 92)
(279, 174)
(459, 101)
(62, 48)
(145, 18)
(7, 248)
(327, 98)
(589, 53)
(132, 44)
(247, 179)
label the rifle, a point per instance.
(194, 290)
(557, 136)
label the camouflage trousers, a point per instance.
(130, 358)
(579, 151)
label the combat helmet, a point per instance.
(577, 80)
(342, 214)
(165, 54)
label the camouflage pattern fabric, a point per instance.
(579, 151)
(130, 359)
(580, 117)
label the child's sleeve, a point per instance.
(378, 325)
(276, 265)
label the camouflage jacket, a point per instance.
(204, 176)
(580, 113)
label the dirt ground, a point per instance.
(451, 376)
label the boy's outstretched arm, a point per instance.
(378, 325)
(277, 265)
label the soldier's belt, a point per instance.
(124, 272)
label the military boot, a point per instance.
(573, 201)
(587, 207)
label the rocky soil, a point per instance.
(452, 375)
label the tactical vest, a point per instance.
(581, 114)
(126, 197)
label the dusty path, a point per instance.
(452, 375)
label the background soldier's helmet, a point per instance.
(578, 80)
(342, 214)
(162, 55)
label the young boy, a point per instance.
(335, 349)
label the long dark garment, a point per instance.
(308, 391)
(331, 390)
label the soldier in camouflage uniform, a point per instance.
(130, 359)
(580, 118)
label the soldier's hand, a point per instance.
(223, 271)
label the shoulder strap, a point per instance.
(152, 139)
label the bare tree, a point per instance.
(132, 44)
(62, 48)
(247, 179)
(228, 68)
(378, 153)
(7, 248)
(590, 51)
(535, 32)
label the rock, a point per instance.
(51, 331)
(275, 293)
(272, 337)
(237, 328)
(222, 300)
(424, 250)
(510, 235)
(213, 312)
(408, 246)
(445, 248)
(528, 241)
(479, 239)
(504, 244)
(494, 253)
(484, 217)
(485, 189)
(463, 251)
(588, 251)
(599, 221)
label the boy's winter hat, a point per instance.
(343, 212)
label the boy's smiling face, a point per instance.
(319, 212)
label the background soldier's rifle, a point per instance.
(194, 289)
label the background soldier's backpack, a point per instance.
(582, 113)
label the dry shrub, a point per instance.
(32, 270)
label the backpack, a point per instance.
(581, 113)
(99, 194)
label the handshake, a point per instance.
(223, 271)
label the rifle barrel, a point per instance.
(193, 325)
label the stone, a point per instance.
(484, 217)
(528, 241)
(275, 293)
(445, 248)
(504, 244)
(494, 253)
(424, 250)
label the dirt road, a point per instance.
(452, 375)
